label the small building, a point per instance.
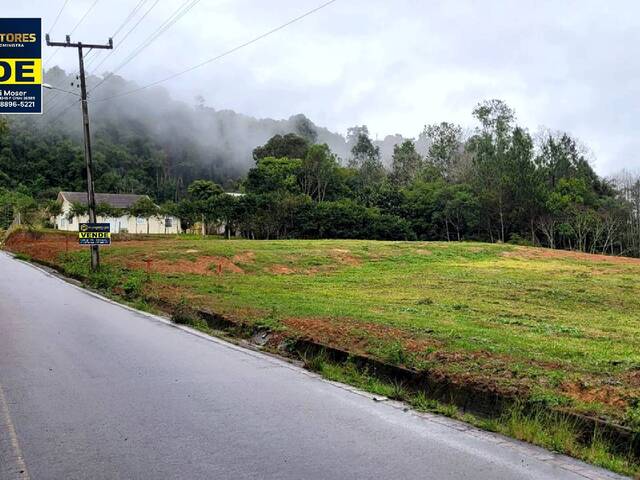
(124, 223)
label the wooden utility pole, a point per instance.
(91, 198)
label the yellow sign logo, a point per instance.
(18, 37)
(21, 71)
(94, 234)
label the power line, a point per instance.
(57, 99)
(224, 54)
(99, 52)
(55, 22)
(125, 36)
(129, 16)
(52, 101)
(57, 107)
(73, 29)
(139, 48)
(83, 17)
(164, 26)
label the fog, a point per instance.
(223, 140)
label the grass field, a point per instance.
(558, 328)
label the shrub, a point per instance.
(104, 279)
(134, 286)
(516, 239)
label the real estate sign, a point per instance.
(20, 65)
(94, 234)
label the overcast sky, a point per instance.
(393, 65)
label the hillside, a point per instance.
(155, 144)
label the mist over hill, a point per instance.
(218, 142)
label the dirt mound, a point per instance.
(205, 265)
(44, 247)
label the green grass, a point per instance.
(23, 256)
(562, 330)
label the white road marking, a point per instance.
(14, 467)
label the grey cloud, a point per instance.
(396, 66)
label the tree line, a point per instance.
(496, 183)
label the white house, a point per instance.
(122, 224)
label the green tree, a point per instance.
(280, 146)
(527, 189)
(445, 147)
(493, 170)
(496, 119)
(317, 171)
(202, 201)
(144, 208)
(53, 208)
(274, 175)
(305, 128)
(459, 209)
(103, 209)
(406, 163)
(76, 210)
(365, 158)
(18, 207)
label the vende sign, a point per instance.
(94, 234)
(20, 65)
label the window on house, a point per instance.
(140, 221)
(168, 222)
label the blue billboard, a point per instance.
(20, 65)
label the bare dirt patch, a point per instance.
(244, 257)
(361, 338)
(344, 256)
(531, 253)
(605, 394)
(633, 378)
(171, 294)
(352, 335)
(281, 270)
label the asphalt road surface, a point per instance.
(93, 390)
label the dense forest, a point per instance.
(493, 183)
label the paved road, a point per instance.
(89, 389)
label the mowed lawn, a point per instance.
(556, 327)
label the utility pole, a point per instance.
(91, 198)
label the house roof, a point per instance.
(114, 200)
